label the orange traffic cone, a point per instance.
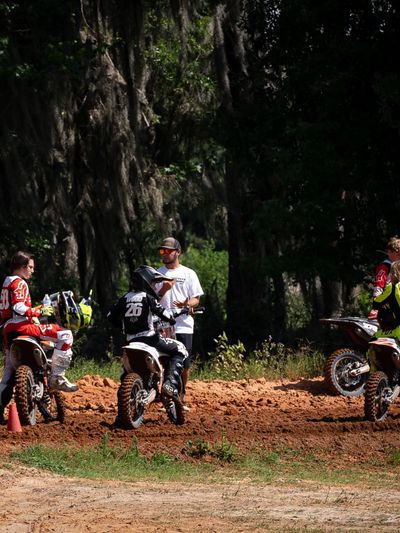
(13, 423)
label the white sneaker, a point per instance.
(62, 384)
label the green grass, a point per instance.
(81, 367)
(295, 365)
(106, 462)
(292, 365)
(228, 362)
(203, 462)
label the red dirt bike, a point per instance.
(383, 386)
(142, 383)
(346, 369)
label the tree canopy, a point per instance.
(267, 128)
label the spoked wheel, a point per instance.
(130, 409)
(52, 406)
(25, 395)
(337, 373)
(377, 392)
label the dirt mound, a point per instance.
(253, 413)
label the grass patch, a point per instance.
(224, 450)
(394, 458)
(81, 367)
(110, 462)
(272, 360)
(208, 462)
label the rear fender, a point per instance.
(384, 347)
(26, 350)
(358, 329)
(139, 357)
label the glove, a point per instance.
(47, 310)
(172, 321)
(373, 314)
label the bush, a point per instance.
(271, 359)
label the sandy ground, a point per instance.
(255, 414)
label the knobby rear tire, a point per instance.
(130, 413)
(26, 405)
(375, 408)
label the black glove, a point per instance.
(172, 321)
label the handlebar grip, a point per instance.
(181, 311)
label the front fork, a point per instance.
(39, 385)
(396, 391)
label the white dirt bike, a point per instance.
(347, 369)
(31, 359)
(142, 383)
(383, 385)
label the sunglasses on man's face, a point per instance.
(166, 251)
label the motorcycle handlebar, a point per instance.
(186, 310)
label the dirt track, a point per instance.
(254, 414)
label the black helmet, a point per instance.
(145, 277)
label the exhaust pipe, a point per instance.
(364, 369)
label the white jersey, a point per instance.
(187, 285)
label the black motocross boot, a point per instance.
(172, 381)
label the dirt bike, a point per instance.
(31, 358)
(144, 374)
(346, 369)
(32, 362)
(383, 386)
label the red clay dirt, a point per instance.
(252, 413)
(256, 415)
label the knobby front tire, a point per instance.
(376, 407)
(336, 373)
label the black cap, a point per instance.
(171, 243)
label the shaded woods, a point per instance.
(268, 128)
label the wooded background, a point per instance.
(268, 129)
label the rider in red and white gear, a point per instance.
(382, 271)
(20, 318)
(382, 277)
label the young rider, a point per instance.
(19, 317)
(133, 313)
(382, 270)
(387, 304)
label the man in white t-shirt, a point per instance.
(185, 289)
